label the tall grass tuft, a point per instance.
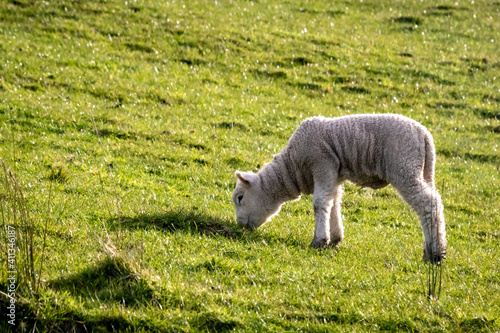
(16, 219)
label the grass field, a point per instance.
(124, 122)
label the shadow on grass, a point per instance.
(382, 323)
(45, 315)
(29, 319)
(104, 285)
(186, 221)
(109, 281)
(194, 222)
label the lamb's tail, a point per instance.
(430, 159)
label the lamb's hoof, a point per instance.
(320, 243)
(335, 242)
(435, 259)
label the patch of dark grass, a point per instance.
(439, 13)
(201, 161)
(376, 71)
(166, 100)
(408, 29)
(266, 133)
(163, 101)
(270, 74)
(450, 8)
(135, 9)
(184, 142)
(188, 42)
(444, 7)
(432, 77)
(193, 61)
(339, 79)
(217, 265)
(478, 157)
(231, 125)
(491, 98)
(484, 236)
(101, 93)
(494, 129)
(139, 47)
(198, 146)
(448, 105)
(327, 56)
(215, 322)
(320, 79)
(22, 4)
(301, 61)
(408, 19)
(467, 209)
(110, 133)
(330, 13)
(477, 324)
(324, 42)
(235, 162)
(395, 325)
(456, 95)
(33, 87)
(487, 113)
(477, 64)
(293, 62)
(483, 158)
(356, 90)
(59, 173)
(305, 85)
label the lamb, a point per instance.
(368, 150)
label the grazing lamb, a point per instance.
(368, 150)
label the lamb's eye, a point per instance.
(240, 197)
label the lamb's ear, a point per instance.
(245, 177)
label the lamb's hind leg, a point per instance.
(336, 227)
(426, 201)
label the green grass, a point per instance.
(134, 115)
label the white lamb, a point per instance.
(368, 150)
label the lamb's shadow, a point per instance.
(109, 281)
(195, 222)
(192, 222)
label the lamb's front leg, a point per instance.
(324, 192)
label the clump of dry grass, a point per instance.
(15, 216)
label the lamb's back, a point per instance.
(367, 149)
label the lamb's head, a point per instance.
(253, 205)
